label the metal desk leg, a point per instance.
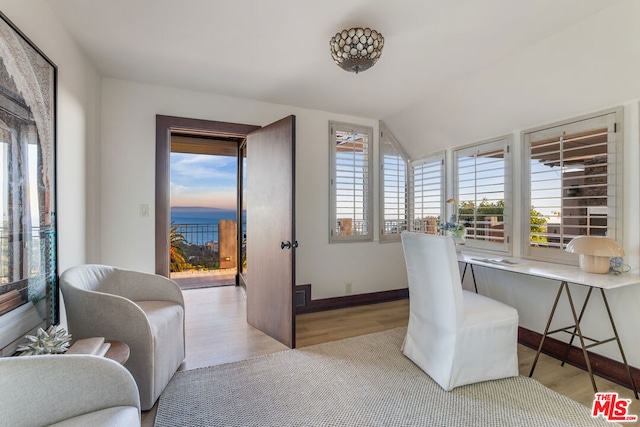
(472, 275)
(546, 329)
(475, 285)
(579, 332)
(615, 332)
(573, 335)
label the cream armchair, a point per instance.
(457, 337)
(145, 311)
(73, 390)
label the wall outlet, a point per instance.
(144, 210)
(347, 288)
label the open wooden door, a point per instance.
(270, 271)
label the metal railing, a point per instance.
(33, 254)
(200, 245)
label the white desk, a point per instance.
(564, 274)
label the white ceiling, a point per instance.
(278, 50)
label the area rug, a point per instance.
(361, 381)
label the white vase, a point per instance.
(458, 240)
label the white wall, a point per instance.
(78, 103)
(77, 126)
(128, 179)
(588, 67)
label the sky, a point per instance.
(203, 180)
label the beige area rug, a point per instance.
(361, 381)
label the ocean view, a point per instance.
(200, 215)
(195, 215)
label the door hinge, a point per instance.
(615, 127)
(508, 149)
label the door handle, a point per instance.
(288, 245)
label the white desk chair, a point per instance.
(457, 337)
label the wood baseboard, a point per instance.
(312, 306)
(601, 366)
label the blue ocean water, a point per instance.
(181, 215)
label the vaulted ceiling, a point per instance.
(277, 51)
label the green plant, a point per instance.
(176, 250)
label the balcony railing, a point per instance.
(200, 245)
(206, 247)
(29, 243)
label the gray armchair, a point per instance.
(145, 311)
(73, 390)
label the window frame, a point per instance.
(503, 142)
(335, 126)
(386, 137)
(432, 159)
(615, 124)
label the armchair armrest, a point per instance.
(42, 390)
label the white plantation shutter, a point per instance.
(351, 185)
(427, 193)
(394, 187)
(574, 185)
(482, 174)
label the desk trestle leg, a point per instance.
(576, 331)
(615, 332)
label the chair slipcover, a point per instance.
(67, 390)
(457, 337)
(145, 311)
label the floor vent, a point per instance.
(301, 298)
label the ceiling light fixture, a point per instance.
(356, 49)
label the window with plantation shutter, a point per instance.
(574, 184)
(482, 174)
(394, 187)
(427, 193)
(351, 182)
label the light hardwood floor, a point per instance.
(217, 333)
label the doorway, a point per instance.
(270, 199)
(194, 130)
(204, 218)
